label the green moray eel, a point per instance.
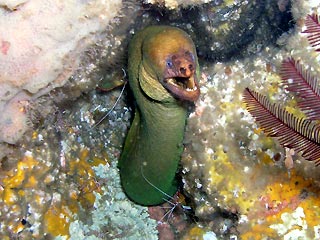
(163, 75)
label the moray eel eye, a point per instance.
(180, 76)
(169, 64)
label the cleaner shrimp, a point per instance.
(175, 202)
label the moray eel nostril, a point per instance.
(163, 75)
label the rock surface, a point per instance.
(41, 43)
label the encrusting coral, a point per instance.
(297, 130)
(231, 167)
(65, 172)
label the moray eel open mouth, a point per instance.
(183, 88)
(180, 76)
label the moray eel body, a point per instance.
(163, 71)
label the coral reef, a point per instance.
(234, 29)
(231, 168)
(114, 217)
(300, 134)
(65, 171)
(223, 30)
(36, 66)
(61, 181)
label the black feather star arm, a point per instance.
(313, 30)
(305, 85)
(300, 134)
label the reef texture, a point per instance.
(231, 168)
(62, 182)
(66, 185)
(174, 4)
(224, 30)
(41, 43)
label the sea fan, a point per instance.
(304, 85)
(300, 134)
(313, 30)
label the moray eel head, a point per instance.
(170, 57)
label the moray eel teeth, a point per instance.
(180, 78)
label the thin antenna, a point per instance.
(114, 105)
(164, 193)
(174, 202)
(174, 205)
